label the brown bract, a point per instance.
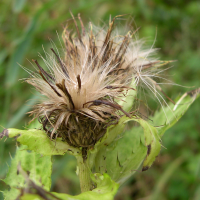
(82, 88)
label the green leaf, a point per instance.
(38, 167)
(152, 142)
(112, 132)
(174, 113)
(38, 141)
(106, 189)
(121, 158)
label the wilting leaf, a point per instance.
(38, 141)
(38, 168)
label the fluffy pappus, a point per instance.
(82, 88)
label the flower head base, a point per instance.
(83, 88)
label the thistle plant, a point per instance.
(89, 95)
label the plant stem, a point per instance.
(84, 174)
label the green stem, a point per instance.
(84, 174)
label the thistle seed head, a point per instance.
(83, 87)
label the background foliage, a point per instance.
(27, 25)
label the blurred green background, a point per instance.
(27, 25)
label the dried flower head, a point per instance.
(83, 88)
